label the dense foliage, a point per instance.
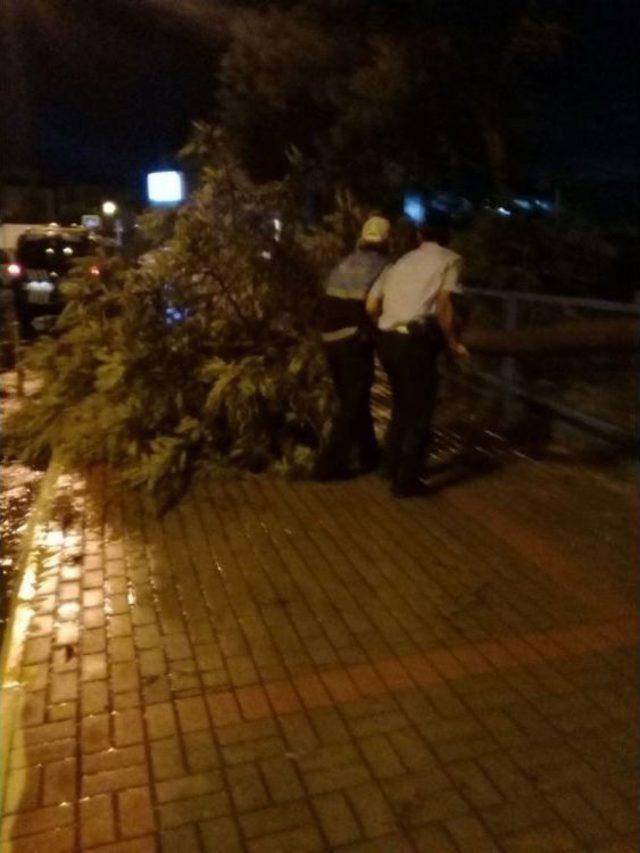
(382, 96)
(202, 353)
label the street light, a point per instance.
(109, 208)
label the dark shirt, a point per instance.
(346, 290)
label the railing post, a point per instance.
(509, 364)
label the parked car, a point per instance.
(43, 257)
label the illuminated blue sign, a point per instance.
(414, 208)
(165, 187)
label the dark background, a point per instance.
(100, 91)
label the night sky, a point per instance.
(101, 90)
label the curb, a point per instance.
(12, 694)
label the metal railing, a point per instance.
(506, 374)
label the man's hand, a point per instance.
(458, 350)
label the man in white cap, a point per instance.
(412, 304)
(347, 335)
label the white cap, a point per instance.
(375, 230)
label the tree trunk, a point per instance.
(496, 150)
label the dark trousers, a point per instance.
(411, 364)
(351, 366)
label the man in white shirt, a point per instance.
(411, 303)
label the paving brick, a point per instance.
(125, 701)
(114, 780)
(193, 810)
(37, 821)
(418, 799)
(619, 814)
(329, 726)
(254, 750)
(93, 640)
(200, 751)
(276, 819)
(434, 837)
(473, 784)
(135, 813)
(60, 840)
(112, 759)
(121, 649)
(42, 753)
(192, 714)
(312, 691)
(97, 820)
(223, 708)
(378, 724)
(283, 697)
(94, 697)
(579, 816)
(247, 789)
(33, 710)
(189, 786)
(512, 783)
(472, 661)
(253, 702)
(299, 733)
(167, 760)
(119, 625)
(92, 618)
(336, 819)
(242, 671)
(340, 686)
(147, 636)
(469, 834)
(160, 720)
(468, 748)
(553, 837)
(247, 731)
(371, 809)
(183, 838)
(59, 782)
(421, 670)
(49, 732)
(127, 727)
(447, 664)
(518, 815)
(94, 667)
(367, 681)
(394, 674)
(37, 650)
(281, 779)
(95, 733)
(381, 757)
(64, 687)
(146, 844)
(63, 711)
(220, 835)
(124, 677)
(303, 838)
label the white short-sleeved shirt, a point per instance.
(409, 289)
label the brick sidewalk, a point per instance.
(282, 666)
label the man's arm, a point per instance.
(445, 313)
(374, 298)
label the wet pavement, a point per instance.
(289, 666)
(19, 486)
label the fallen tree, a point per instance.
(203, 353)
